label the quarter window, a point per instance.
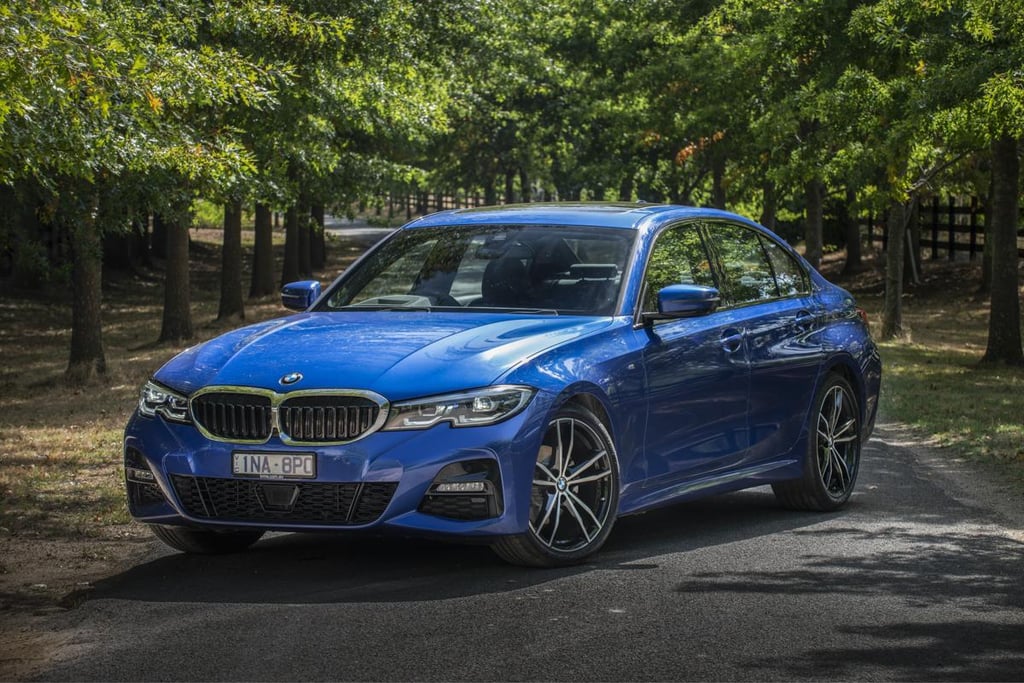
(789, 276)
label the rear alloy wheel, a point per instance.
(205, 542)
(575, 493)
(833, 454)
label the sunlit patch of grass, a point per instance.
(976, 408)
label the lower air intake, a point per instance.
(313, 503)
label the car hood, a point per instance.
(397, 354)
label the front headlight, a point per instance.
(468, 409)
(155, 399)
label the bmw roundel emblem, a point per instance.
(291, 378)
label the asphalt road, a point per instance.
(917, 579)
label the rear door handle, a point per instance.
(805, 320)
(732, 340)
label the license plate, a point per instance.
(274, 465)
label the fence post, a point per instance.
(974, 227)
(935, 228)
(952, 228)
(871, 229)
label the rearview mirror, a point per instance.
(299, 296)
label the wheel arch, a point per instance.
(846, 367)
(591, 397)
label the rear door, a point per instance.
(769, 293)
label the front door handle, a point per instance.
(732, 340)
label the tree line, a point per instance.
(116, 111)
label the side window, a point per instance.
(789, 276)
(746, 273)
(678, 257)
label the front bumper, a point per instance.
(381, 483)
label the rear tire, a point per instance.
(575, 494)
(204, 542)
(832, 460)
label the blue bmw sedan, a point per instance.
(520, 375)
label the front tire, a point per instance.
(575, 494)
(832, 460)
(204, 542)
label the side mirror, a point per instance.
(299, 296)
(684, 301)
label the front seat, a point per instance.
(504, 284)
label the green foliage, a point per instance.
(269, 99)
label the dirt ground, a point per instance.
(39, 576)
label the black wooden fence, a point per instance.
(945, 228)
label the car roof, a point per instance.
(593, 214)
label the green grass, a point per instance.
(978, 410)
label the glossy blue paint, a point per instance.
(677, 301)
(299, 296)
(695, 405)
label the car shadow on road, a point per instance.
(320, 568)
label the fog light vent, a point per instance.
(460, 487)
(140, 481)
(468, 490)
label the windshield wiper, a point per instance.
(358, 307)
(513, 309)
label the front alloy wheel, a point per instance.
(574, 496)
(833, 454)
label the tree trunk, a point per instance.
(892, 309)
(510, 190)
(177, 323)
(851, 234)
(813, 225)
(1004, 337)
(318, 245)
(231, 305)
(86, 360)
(626, 188)
(524, 185)
(717, 181)
(769, 204)
(290, 270)
(263, 254)
(305, 239)
(490, 195)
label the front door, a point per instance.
(696, 372)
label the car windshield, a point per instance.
(553, 269)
